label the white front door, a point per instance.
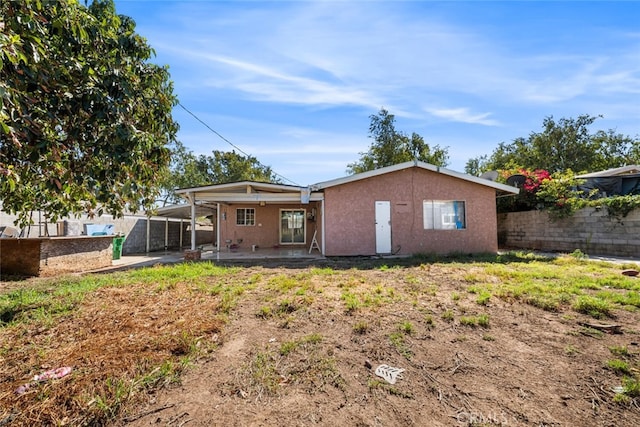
(383, 227)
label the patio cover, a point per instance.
(211, 197)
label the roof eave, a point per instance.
(427, 166)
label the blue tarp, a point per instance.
(99, 229)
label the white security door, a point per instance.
(383, 227)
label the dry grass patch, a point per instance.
(119, 341)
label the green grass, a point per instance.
(593, 306)
(361, 327)
(376, 384)
(50, 299)
(631, 386)
(290, 346)
(619, 366)
(398, 340)
(483, 297)
(622, 351)
(406, 327)
(571, 350)
(473, 321)
(299, 361)
(428, 321)
(447, 316)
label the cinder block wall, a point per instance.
(133, 227)
(591, 230)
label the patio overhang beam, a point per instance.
(228, 198)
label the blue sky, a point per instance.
(295, 83)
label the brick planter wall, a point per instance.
(591, 230)
(56, 255)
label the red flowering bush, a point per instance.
(527, 199)
(534, 179)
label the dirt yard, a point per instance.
(301, 346)
(529, 367)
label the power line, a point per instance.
(232, 144)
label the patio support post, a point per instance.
(323, 223)
(192, 199)
(218, 227)
(180, 244)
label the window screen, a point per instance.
(444, 215)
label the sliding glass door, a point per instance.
(292, 226)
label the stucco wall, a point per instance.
(590, 230)
(350, 214)
(57, 255)
(266, 232)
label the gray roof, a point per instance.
(624, 170)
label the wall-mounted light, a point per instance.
(263, 203)
(224, 216)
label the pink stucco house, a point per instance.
(408, 208)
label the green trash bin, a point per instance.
(118, 241)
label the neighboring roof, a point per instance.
(503, 188)
(625, 170)
(183, 211)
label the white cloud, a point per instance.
(463, 115)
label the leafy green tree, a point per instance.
(476, 166)
(85, 118)
(183, 172)
(189, 170)
(229, 166)
(566, 144)
(391, 147)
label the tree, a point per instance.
(188, 170)
(85, 118)
(563, 145)
(391, 147)
(475, 166)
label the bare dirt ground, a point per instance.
(307, 358)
